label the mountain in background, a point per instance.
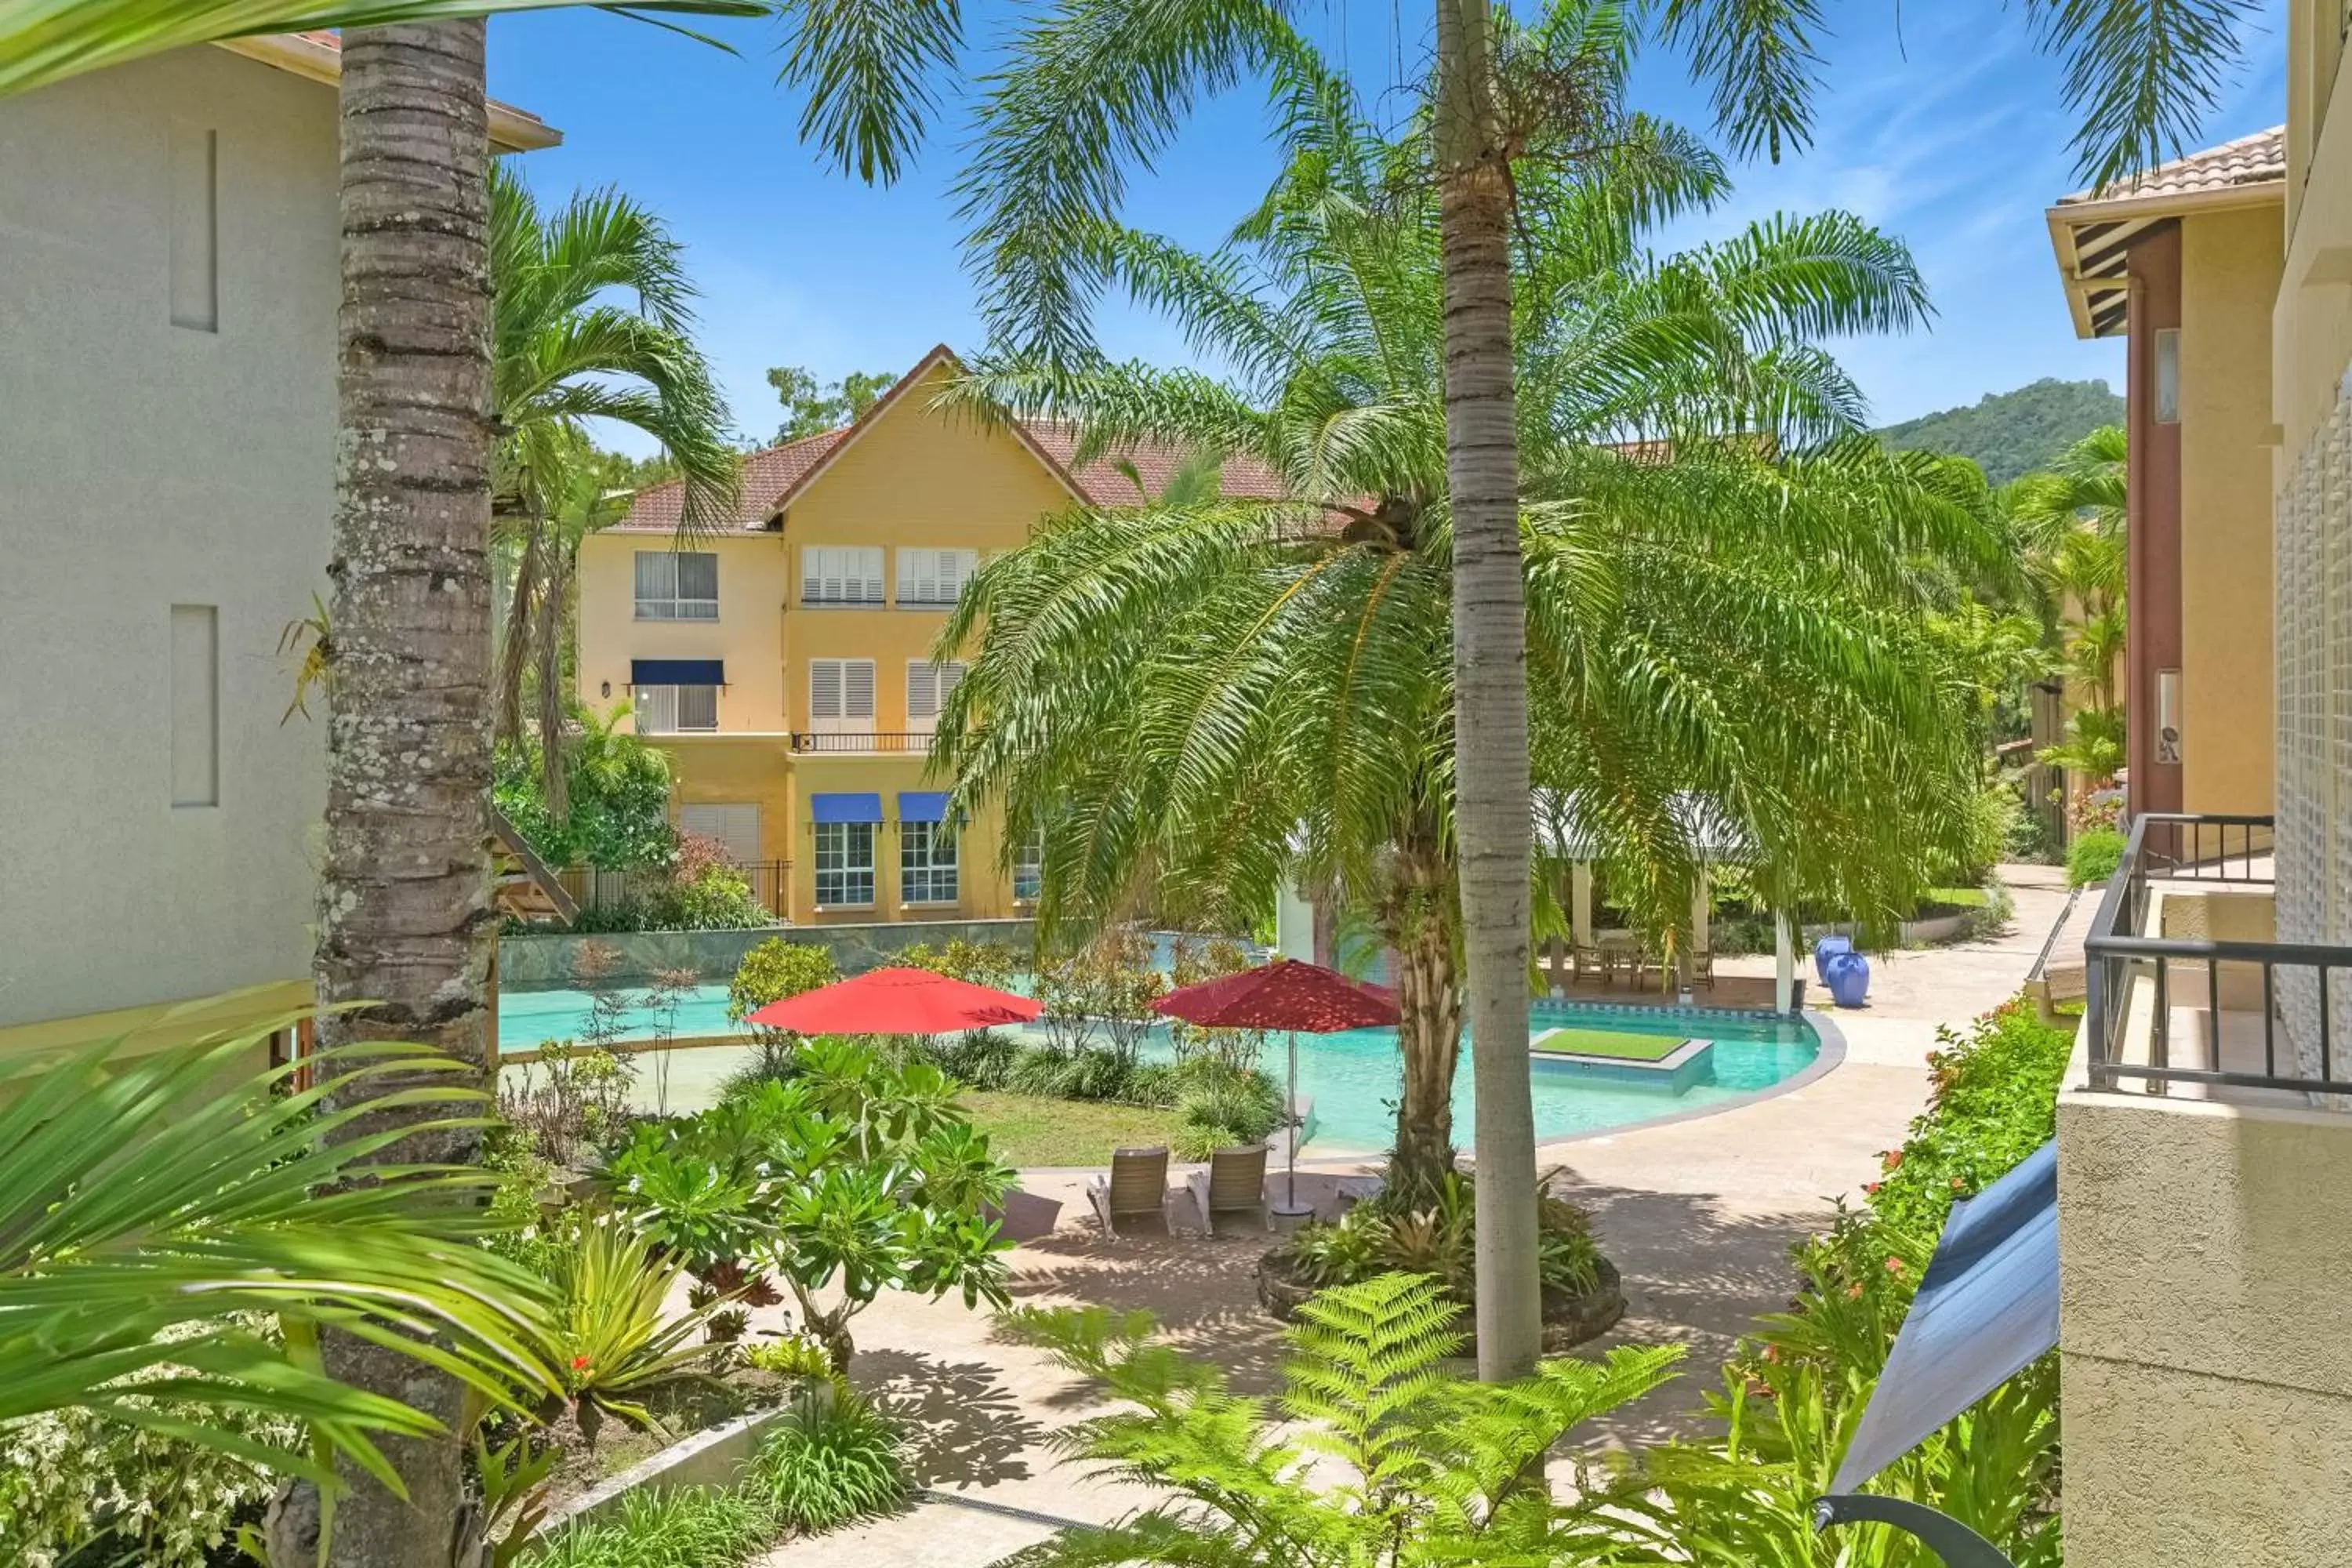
(2013, 433)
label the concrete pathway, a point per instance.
(1699, 1216)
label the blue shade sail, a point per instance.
(923, 805)
(678, 672)
(845, 807)
(1987, 1306)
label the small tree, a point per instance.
(854, 1178)
(1373, 1458)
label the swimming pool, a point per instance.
(1353, 1077)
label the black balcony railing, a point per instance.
(906, 742)
(593, 889)
(2212, 852)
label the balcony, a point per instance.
(2188, 991)
(862, 744)
(2204, 1168)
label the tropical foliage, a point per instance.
(2071, 522)
(812, 408)
(1372, 1454)
(615, 1339)
(593, 320)
(1216, 695)
(616, 814)
(1383, 1236)
(151, 1219)
(851, 1178)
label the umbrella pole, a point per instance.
(1291, 1202)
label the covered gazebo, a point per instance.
(1716, 837)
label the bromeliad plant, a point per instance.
(1372, 1455)
(615, 1342)
(1439, 1240)
(853, 1177)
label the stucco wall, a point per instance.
(914, 477)
(144, 465)
(2230, 273)
(2202, 1256)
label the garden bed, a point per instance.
(1569, 1317)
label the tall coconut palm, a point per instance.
(1219, 694)
(593, 319)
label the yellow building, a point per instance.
(786, 663)
(2184, 263)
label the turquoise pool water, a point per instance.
(1353, 1077)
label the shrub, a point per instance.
(1439, 1240)
(774, 970)
(831, 1459)
(613, 1342)
(981, 1059)
(2093, 856)
(690, 1527)
(76, 1485)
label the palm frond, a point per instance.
(146, 1211)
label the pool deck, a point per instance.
(1698, 1215)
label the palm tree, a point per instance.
(2072, 521)
(152, 1208)
(562, 353)
(1220, 694)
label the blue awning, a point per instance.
(678, 672)
(1986, 1306)
(845, 807)
(923, 805)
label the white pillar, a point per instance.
(1294, 924)
(1579, 898)
(1784, 964)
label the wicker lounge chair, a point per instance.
(1232, 1182)
(1136, 1188)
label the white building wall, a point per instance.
(145, 464)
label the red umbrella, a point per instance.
(896, 1002)
(1293, 998)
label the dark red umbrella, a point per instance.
(1284, 995)
(1291, 996)
(896, 1002)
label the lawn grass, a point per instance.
(1622, 1045)
(1964, 898)
(1026, 1130)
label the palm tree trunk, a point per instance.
(1429, 1040)
(406, 916)
(1493, 829)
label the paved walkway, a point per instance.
(1699, 1215)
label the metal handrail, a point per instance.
(2116, 953)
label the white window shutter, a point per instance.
(869, 587)
(922, 693)
(858, 688)
(949, 677)
(824, 688)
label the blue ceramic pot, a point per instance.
(1849, 978)
(1824, 949)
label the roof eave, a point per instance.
(2068, 219)
(511, 129)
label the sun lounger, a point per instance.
(1136, 1188)
(1232, 1182)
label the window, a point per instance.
(736, 827)
(675, 710)
(841, 574)
(676, 586)
(841, 696)
(927, 689)
(926, 863)
(1029, 868)
(933, 579)
(845, 864)
(195, 705)
(2167, 375)
(195, 229)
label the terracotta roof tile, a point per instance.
(770, 474)
(2256, 160)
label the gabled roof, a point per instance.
(776, 476)
(318, 55)
(2093, 231)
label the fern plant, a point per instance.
(1374, 1456)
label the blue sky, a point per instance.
(1947, 133)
